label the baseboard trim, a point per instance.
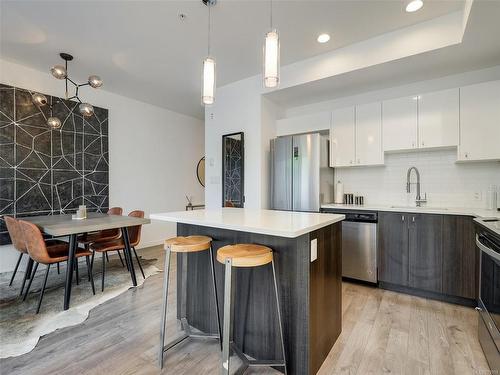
(426, 294)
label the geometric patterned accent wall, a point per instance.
(48, 172)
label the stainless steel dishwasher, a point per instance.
(359, 244)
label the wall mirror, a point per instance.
(233, 170)
(200, 171)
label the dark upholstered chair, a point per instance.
(40, 253)
(118, 244)
(17, 237)
(103, 235)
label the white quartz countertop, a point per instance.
(476, 212)
(270, 222)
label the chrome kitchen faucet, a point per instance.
(418, 198)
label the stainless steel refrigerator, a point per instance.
(301, 179)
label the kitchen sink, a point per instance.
(421, 208)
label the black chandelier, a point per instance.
(61, 72)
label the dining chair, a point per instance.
(104, 235)
(118, 244)
(48, 255)
(17, 238)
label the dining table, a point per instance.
(64, 225)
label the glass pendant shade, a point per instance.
(208, 89)
(39, 99)
(53, 123)
(95, 82)
(86, 109)
(271, 59)
(58, 71)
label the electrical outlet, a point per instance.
(478, 196)
(314, 250)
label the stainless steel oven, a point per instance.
(489, 296)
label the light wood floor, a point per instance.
(383, 332)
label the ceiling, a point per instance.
(143, 50)
(480, 48)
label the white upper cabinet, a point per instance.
(438, 118)
(480, 122)
(399, 122)
(342, 145)
(369, 134)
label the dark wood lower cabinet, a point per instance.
(460, 258)
(393, 248)
(425, 235)
(429, 255)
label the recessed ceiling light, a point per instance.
(323, 38)
(414, 5)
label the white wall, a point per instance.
(421, 87)
(153, 153)
(447, 183)
(237, 108)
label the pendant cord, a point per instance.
(209, 24)
(271, 13)
(66, 78)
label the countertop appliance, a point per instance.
(488, 242)
(359, 244)
(301, 179)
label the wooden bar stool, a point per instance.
(245, 255)
(185, 245)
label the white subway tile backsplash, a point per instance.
(447, 183)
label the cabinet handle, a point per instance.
(466, 154)
(423, 143)
(402, 218)
(413, 218)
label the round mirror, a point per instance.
(200, 171)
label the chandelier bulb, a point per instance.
(95, 81)
(59, 71)
(86, 109)
(53, 123)
(39, 99)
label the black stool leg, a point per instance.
(107, 256)
(29, 266)
(58, 271)
(216, 299)
(43, 288)
(89, 273)
(15, 269)
(103, 270)
(139, 263)
(31, 280)
(279, 315)
(163, 328)
(227, 318)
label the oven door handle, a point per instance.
(487, 250)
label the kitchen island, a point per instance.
(308, 258)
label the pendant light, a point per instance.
(61, 72)
(208, 84)
(271, 55)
